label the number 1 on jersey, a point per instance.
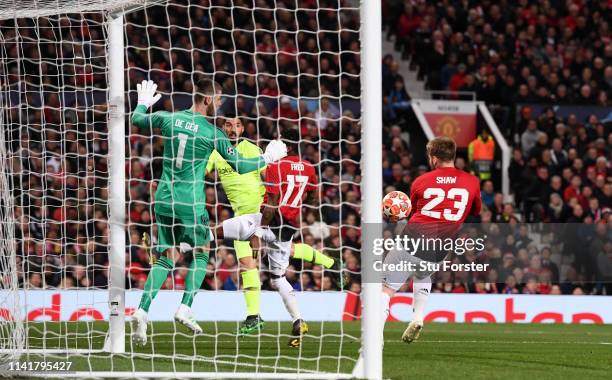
(181, 149)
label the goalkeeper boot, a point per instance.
(139, 327)
(184, 316)
(300, 328)
(252, 323)
(412, 332)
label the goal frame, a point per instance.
(371, 185)
(371, 142)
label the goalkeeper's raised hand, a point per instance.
(275, 150)
(146, 93)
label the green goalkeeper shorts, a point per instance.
(171, 232)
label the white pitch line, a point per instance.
(518, 331)
(500, 342)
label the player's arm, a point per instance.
(275, 150)
(210, 165)
(414, 193)
(272, 182)
(476, 206)
(270, 209)
(313, 189)
(262, 171)
(142, 119)
(414, 197)
(312, 198)
(262, 175)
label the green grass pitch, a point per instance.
(445, 351)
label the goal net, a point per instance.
(282, 64)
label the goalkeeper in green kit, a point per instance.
(180, 205)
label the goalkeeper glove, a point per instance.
(275, 150)
(146, 93)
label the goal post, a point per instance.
(59, 103)
(117, 184)
(372, 184)
(12, 334)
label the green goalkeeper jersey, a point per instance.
(245, 192)
(189, 140)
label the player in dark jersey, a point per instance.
(442, 199)
(288, 182)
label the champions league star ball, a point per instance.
(397, 204)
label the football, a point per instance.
(397, 204)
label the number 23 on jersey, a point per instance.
(458, 196)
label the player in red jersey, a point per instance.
(288, 183)
(442, 199)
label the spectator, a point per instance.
(326, 114)
(481, 152)
(530, 137)
(285, 110)
(487, 194)
(498, 49)
(397, 101)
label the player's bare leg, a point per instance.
(251, 283)
(421, 289)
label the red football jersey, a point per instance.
(445, 195)
(291, 177)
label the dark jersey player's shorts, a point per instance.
(171, 232)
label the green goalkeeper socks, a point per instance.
(155, 280)
(309, 254)
(195, 277)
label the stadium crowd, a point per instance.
(291, 74)
(553, 51)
